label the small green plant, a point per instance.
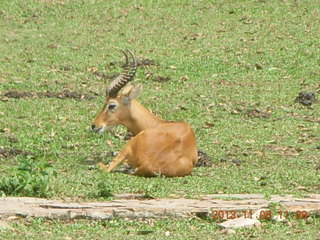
(150, 191)
(103, 190)
(30, 178)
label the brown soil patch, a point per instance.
(161, 78)
(19, 94)
(7, 153)
(255, 113)
(65, 94)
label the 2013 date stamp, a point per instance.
(263, 214)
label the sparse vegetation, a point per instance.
(31, 178)
(232, 69)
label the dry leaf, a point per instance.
(302, 188)
(109, 142)
(6, 129)
(258, 66)
(259, 153)
(208, 125)
(256, 179)
(184, 78)
(93, 69)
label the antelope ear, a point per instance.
(131, 92)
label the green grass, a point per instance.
(164, 228)
(230, 57)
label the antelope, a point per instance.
(158, 146)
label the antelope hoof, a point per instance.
(103, 167)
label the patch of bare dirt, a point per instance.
(65, 94)
(255, 113)
(161, 78)
(7, 153)
(19, 94)
(157, 78)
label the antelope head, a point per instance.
(116, 109)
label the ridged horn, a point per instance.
(123, 78)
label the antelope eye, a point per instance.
(111, 106)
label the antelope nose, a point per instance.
(93, 127)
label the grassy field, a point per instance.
(233, 71)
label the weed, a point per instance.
(103, 190)
(150, 191)
(235, 69)
(31, 178)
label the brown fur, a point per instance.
(158, 146)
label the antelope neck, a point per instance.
(141, 118)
